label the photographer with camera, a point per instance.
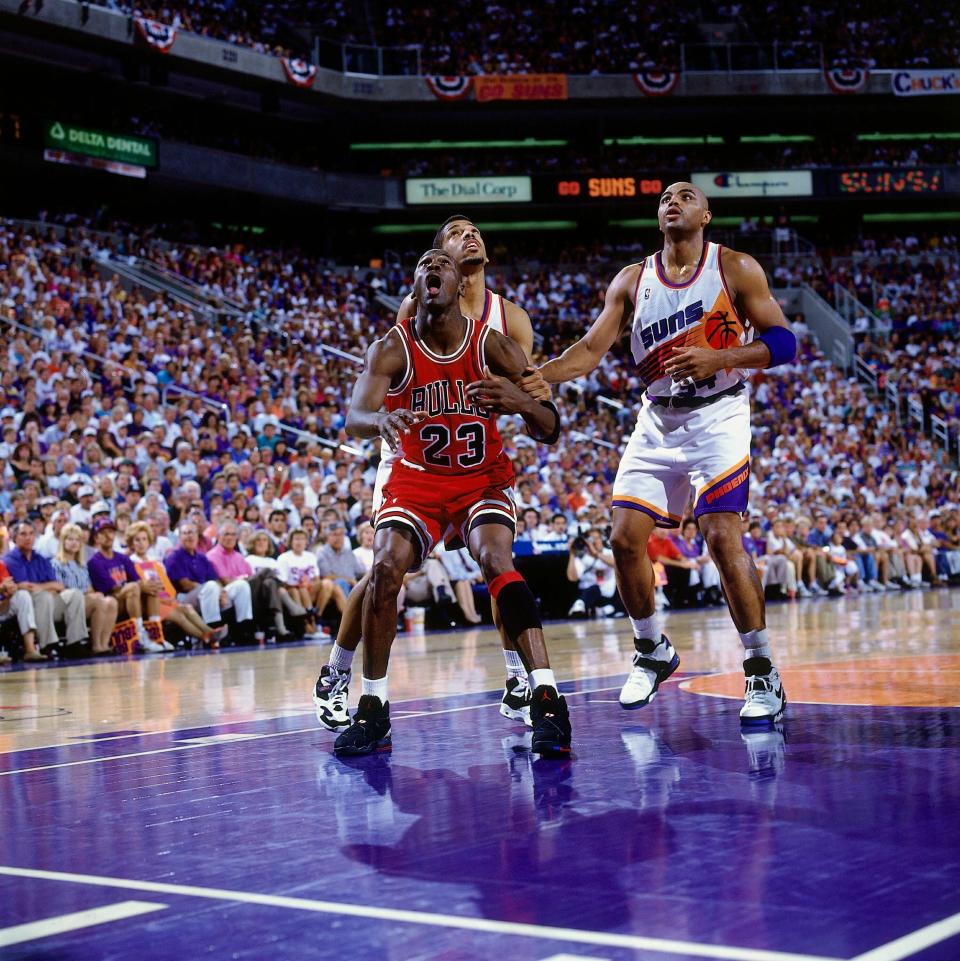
(590, 565)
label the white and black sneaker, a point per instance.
(653, 663)
(515, 703)
(764, 699)
(330, 698)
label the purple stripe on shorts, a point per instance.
(659, 518)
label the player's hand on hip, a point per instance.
(695, 363)
(499, 394)
(533, 383)
(397, 423)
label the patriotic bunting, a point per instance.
(158, 35)
(449, 88)
(656, 83)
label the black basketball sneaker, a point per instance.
(551, 723)
(370, 730)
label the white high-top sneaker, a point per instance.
(650, 669)
(764, 699)
(330, 698)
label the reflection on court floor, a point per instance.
(196, 810)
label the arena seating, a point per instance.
(593, 36)
(100, 376)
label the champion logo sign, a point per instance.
(843, 80)
(656, 83)
(299, 72)
(449, 88)
(158, 35)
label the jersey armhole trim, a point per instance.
(636, 289)
(726, 289)
(408, 373)
(482, 348)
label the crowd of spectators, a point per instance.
(226, 484)
(589, 37)
(911, 284)
(620, 159)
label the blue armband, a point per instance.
(782, 345)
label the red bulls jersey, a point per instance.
(456, 437)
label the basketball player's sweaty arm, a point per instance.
(386, 362)
(583, 357)
(506, 365)
(775, 343)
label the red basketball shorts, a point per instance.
(434, 507)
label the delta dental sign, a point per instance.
(99, 143)
(477, 190)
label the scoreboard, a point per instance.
(888, 181)
(585, 188)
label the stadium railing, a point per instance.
(852, 310)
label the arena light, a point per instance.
(529, 142)
(916, 216)
(660, 141)
(942, 135)
(778, 138)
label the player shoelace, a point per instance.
(757, 687)
(338, 681)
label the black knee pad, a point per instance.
(518, 609)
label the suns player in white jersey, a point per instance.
(459, 237)
(700, 316)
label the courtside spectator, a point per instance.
(100, 609)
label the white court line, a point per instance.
(912, 943)
(73, 922)
(399, 916)
(572, 957)
(223, 740)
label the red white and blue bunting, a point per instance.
(843, 80)
(656, 83)
(449, 88)
(158, 35)
(299, 72)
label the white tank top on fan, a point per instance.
(697, 313)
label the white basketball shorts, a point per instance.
(674, 451)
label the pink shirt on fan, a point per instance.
(228, 564)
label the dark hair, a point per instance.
(277, 513)
(438, 236)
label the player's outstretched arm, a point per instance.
(499, 391)
(584, 356)
(385, 364)
(775, 343)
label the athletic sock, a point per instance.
(141, 630)
(340, 658)
(646, 628)
(542, 676)
(515, 666)
(756, 652)
(378, 688)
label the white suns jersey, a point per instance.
(493, 316)
(698, 313)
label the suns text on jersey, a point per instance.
(665, 326)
